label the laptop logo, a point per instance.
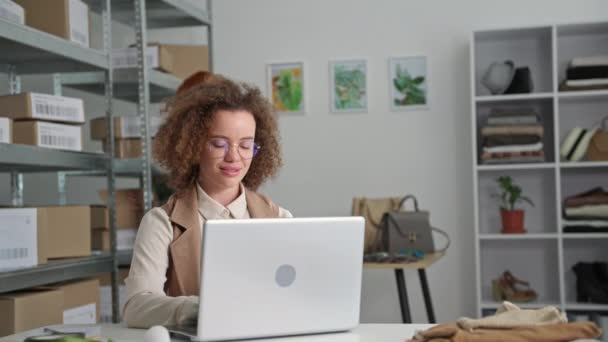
(285, 275)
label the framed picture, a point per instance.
(409, 84)
(286, 87)
(348, 85)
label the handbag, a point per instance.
(410, 230)
(598, 146)
(373, 210)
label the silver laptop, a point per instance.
(279, 277)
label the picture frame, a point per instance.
(348, 85)
(285, 82)
(408, 83)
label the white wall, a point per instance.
(329, 158)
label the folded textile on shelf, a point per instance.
(513, 130)
(513, 116)
(564, 87)
(502, 140)
(587, 223)
(589, 61)
(512, 157)
(599, 211)
(587, 72)
(514, 148)
(588, 83)
(584, 229)
(593, 196)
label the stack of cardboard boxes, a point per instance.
(44, 120)
(129, 211)
(75, 302)
(127, 134)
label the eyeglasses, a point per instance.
(219, 147)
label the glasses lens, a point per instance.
(218, 148)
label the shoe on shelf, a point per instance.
(589, 287)
(508, 287)
(601, 270)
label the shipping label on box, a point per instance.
(57, 108)
(5, 130)
(19, 238)
(85, 314)
(12, 12)
(59, 136)
(127, 57)
(79, 22)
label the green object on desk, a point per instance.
(60, 338)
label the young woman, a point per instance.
(219, 143)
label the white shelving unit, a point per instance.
(544, 255)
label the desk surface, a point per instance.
(428, 260)
(363, 333)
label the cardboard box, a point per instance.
(80, 301)
(105, 279)
(27, 106)
(68, 232)
(6, 130)
(24, 236)
(68, 19)
(105, 295)
(124, 127)
(100, 218)
(179, 60)
(12, 12)
(30, 309)
(47, 134)
(129, 208)
(125, 148)
(125, 239)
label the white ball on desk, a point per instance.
(157, 334)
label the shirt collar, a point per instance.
(210, 209)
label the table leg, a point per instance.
(427, 295)
(403, 300)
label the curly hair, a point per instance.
(180, 139)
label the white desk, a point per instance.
(364, 333)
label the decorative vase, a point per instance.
(512, 221)
(498, 76)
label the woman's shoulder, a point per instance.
(273, 206)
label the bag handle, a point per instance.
(412, 197)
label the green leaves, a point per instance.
(409, 87)
(511, 193)
(349, 87)
(289, 90)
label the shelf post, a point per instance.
(143, 92)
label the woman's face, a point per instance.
(228, 151)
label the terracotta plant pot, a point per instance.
(512, 221)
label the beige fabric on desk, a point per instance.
(510, 315)
(147, 304)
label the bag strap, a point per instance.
(405, 199)
(447, 237)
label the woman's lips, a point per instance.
(230, 171)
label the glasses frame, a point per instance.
(229, 146)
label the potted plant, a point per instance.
(512, 219)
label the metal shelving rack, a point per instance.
(36, 52)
